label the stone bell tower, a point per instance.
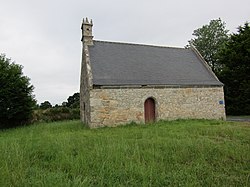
(86, 80)
(87, 37)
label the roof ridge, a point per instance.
(137, 44)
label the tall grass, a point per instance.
(175, 153)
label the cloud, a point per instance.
(44, 36)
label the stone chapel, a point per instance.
(125, 82)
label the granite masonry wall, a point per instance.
(85, 86)
(111, 107)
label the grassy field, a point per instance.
(175, 153)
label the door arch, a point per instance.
(149, 110)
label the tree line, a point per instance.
(68, 110)
(73, 101)
(228, 55)
(17, 102)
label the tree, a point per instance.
(45, 105)
(208, 41)
(235, 74)
(74, 101)
(16, 99)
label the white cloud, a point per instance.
(44, 36)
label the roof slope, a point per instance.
(134, 64)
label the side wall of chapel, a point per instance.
(116, 106)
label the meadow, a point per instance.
(166, 153)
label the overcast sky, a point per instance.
(44, 35)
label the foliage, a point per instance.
(56, 114)
(16, 99)
(45, 105)
(74, 101)
(208, 41)
(235, 57)
(67, 111)
(174, 153)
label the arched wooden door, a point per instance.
(149, 110)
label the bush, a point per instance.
(45, 105)
(16, 99)
(56, 114)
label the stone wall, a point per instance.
(85, 86)
(110, 107)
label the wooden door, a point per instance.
(149, 110)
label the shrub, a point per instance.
(56, 114)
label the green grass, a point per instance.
(175, 153)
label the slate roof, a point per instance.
(134, 64)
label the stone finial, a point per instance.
(87, 37)
(86, 21)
